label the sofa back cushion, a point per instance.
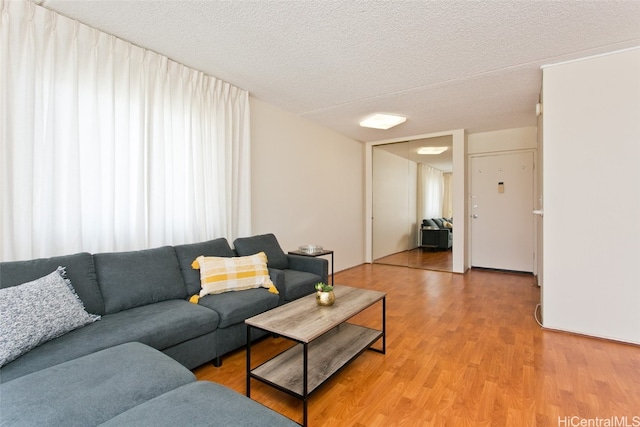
(134, 279)
(188, 253)
(429, 223)
(80, 271)
(267, 243)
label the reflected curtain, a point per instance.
(106, 146)
(447, 198)
(430, 192)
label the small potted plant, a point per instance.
(324, 294)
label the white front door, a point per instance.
(501, 210)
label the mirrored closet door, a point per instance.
(411, 183)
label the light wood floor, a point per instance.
(462, 350)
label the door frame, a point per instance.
(536, 173)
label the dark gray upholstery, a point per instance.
(133, 279)
(159, 325)
(434, 234)
(293, 275)
(235, 336)
(235, 307)
(436, 239)
(91, 389)
(202, 403)
(267, 243)
(196, 351)
(142, 296)
(317, 266)
(298, 284)
(80, 271)
(188, 253)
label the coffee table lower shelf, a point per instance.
(326, 355)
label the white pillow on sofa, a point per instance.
(224, 274)
(38, 311)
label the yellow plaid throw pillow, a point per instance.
(223, 274)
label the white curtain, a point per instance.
(430, 192)
(447, 205)
(106, 146)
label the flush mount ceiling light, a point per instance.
(382, 121)
(432, 150)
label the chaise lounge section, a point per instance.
(129, 384)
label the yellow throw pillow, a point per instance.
(223, 274)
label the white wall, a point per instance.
(502, 140)
(307, 184)
(591, 116)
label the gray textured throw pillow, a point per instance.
(35, 312)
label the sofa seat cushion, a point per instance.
(137, 278)
(91, 389)
(298, 284)
(201, 403)
(235, 307)
(159, 325)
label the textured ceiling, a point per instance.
(445, 65)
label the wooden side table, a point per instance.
(317, 254)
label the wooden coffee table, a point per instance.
(326, 341)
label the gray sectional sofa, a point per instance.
(142, 296)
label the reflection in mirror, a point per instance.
(412, 203)
(391, 234)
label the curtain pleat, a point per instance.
(106, 146)
(430, 192)
(447, 204)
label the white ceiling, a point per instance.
(445, 65)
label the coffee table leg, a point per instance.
(305, 370)
(248, 361)
(384, 325)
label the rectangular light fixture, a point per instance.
(432, 150)
(382, 121)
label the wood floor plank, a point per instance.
(462, 350)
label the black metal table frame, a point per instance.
(305, 363)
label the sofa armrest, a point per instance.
(319, 266)
(439, 238)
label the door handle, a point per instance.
(474, 216)
(538, 212)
